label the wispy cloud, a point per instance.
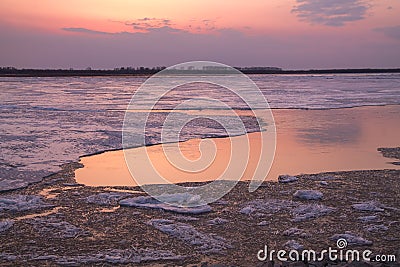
(391, 31)
(84, 30)
(146, 24)
(331, 12)
(205, 25)
(163, 29)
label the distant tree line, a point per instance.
(125, 71)
(11, 71)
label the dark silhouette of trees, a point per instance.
(126, 71)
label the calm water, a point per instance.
(49, 121)
(308, 141)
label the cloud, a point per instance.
(391, 31)
(330, 12)
(84, 30)
(148, 24)
(163, 29)
(145, 24)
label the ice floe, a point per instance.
(294, 231)
(301, 212)
(179, 199)
(367, 219)
(110, 198)
(284, 179)
(124, 256)
(368, 206)
(185, 218)
(56, 228)
(203, 242)
(266, 206)
(352, 239)
(376, 228)
(110, 256)
(262, 223)
(310, 211)
(217, 221)
(17, 203)
(9, 184)
(5, 225)
(308, 194)
(294, 245)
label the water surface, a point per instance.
(46, 122)
(308, 141)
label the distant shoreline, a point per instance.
(127, 72)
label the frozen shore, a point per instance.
(57, 221)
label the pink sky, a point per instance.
(292, 34)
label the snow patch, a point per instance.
(217, 221)
(284, 179)
(266, 206)
(301, 212)
(310, 211)
(181, 200)
(104, 199)
(295, 232)
(52, 227)
(111, 256)
(366, 219)
(293, 245)
(352, 239)
(308, 194)
(203, 242)
(368, 206)
(377, 228)
(185, 218)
